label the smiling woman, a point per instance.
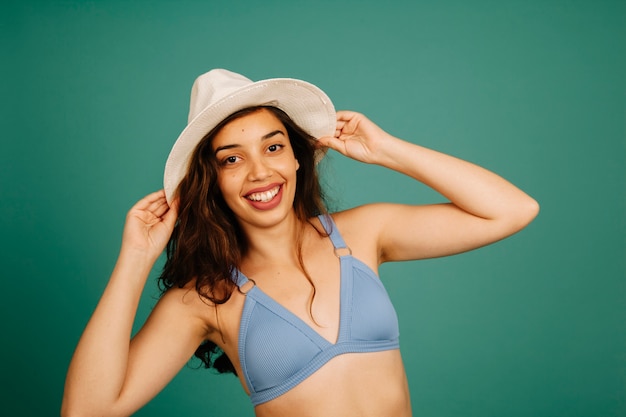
(260, 279)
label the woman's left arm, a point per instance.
(483, 206)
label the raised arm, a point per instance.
(109, 374)
(483, 206)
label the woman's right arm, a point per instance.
(109, 374)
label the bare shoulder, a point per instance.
(361, 228)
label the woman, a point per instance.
(258, 270)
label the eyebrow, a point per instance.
(264, 137)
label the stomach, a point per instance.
(353, 384)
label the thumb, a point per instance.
(171, 216)
(331, 142)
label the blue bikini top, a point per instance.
(278, 350)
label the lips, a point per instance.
(265, 198)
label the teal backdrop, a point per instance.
(95, 92)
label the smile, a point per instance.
(264, 196)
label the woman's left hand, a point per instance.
(357, 137)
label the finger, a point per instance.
(171, 215)
(323, 141)
(346, 115)
(145, 202)
(339, 128)
(333, 143)
(159, 208)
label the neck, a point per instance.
(275, 244)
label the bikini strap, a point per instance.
(241, 280)
(341, 249)
(237, 277)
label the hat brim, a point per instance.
(307, 105)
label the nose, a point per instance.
(259, 169)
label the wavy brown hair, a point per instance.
(207, 244)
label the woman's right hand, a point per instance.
(149, 225)
(358, 138)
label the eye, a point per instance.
(275, 147)
(229, 160)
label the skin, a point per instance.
(109, 376)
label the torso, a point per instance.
(348, 384)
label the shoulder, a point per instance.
(362, 227)
(186, 298)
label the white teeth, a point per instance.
(265, 196)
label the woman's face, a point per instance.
(257, 168)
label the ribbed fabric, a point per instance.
(278, 350)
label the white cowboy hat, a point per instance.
(219, 93)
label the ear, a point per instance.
(297, 165)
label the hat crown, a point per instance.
(213, 86)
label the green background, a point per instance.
(94, 94)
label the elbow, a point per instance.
(531, 209)
(524, 213)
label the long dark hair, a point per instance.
(207, 243)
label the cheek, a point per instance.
(288, 163)
(226, 183)
(296, 167)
